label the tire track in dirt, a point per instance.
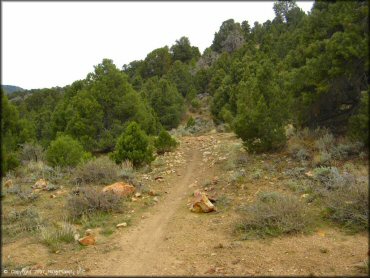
(138, 253)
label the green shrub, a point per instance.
(92, 200)
(349, 206)
(164, 142)
(99, 170)
(195, 103)
(275, 214)
(133, 145)
(10, 161)
(190, 122)
(65, 151)
(359, 123)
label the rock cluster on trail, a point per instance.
(120, 188)
(201, 203)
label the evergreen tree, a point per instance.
(133, 145)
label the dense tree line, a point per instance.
(310, 70)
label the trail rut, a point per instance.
(140, 245)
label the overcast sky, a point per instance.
(55, 43)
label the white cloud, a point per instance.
(48, 44)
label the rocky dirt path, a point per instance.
(170, 240)
(141, 244)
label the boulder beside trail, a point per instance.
(120, 188)
(201, 203)
(88, 239)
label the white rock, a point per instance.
(123, 224)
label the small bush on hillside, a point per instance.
(100, 170)
(195, 103)
(10, 161)
(325, 142)
(18, 221)
(92, 200)
(58, 233)
(349, 206)
(359, 123)
(347, 150)
(133, 145)
(65, 151)
(322, 159)
(25, 195)
(275, 214)
(190, 122)
(32, 152)
(296, 172)
(164, 142)
(53, 236)
(329, 178)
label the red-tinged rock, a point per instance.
(87, 240)
(201, 203)
(120, 188)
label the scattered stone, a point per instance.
(8, 184)
(87, 240)
(137, 194)
(124, 224)
(76, 237)
(120, 188)
(201, 203)
(52, 196)
(155, 199)
(40, 184)
(158, 178)
(133, 199)
(309, 174)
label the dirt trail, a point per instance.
(140, 245)
(170, 240)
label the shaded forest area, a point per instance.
(307, 70)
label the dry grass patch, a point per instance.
(275, 214)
